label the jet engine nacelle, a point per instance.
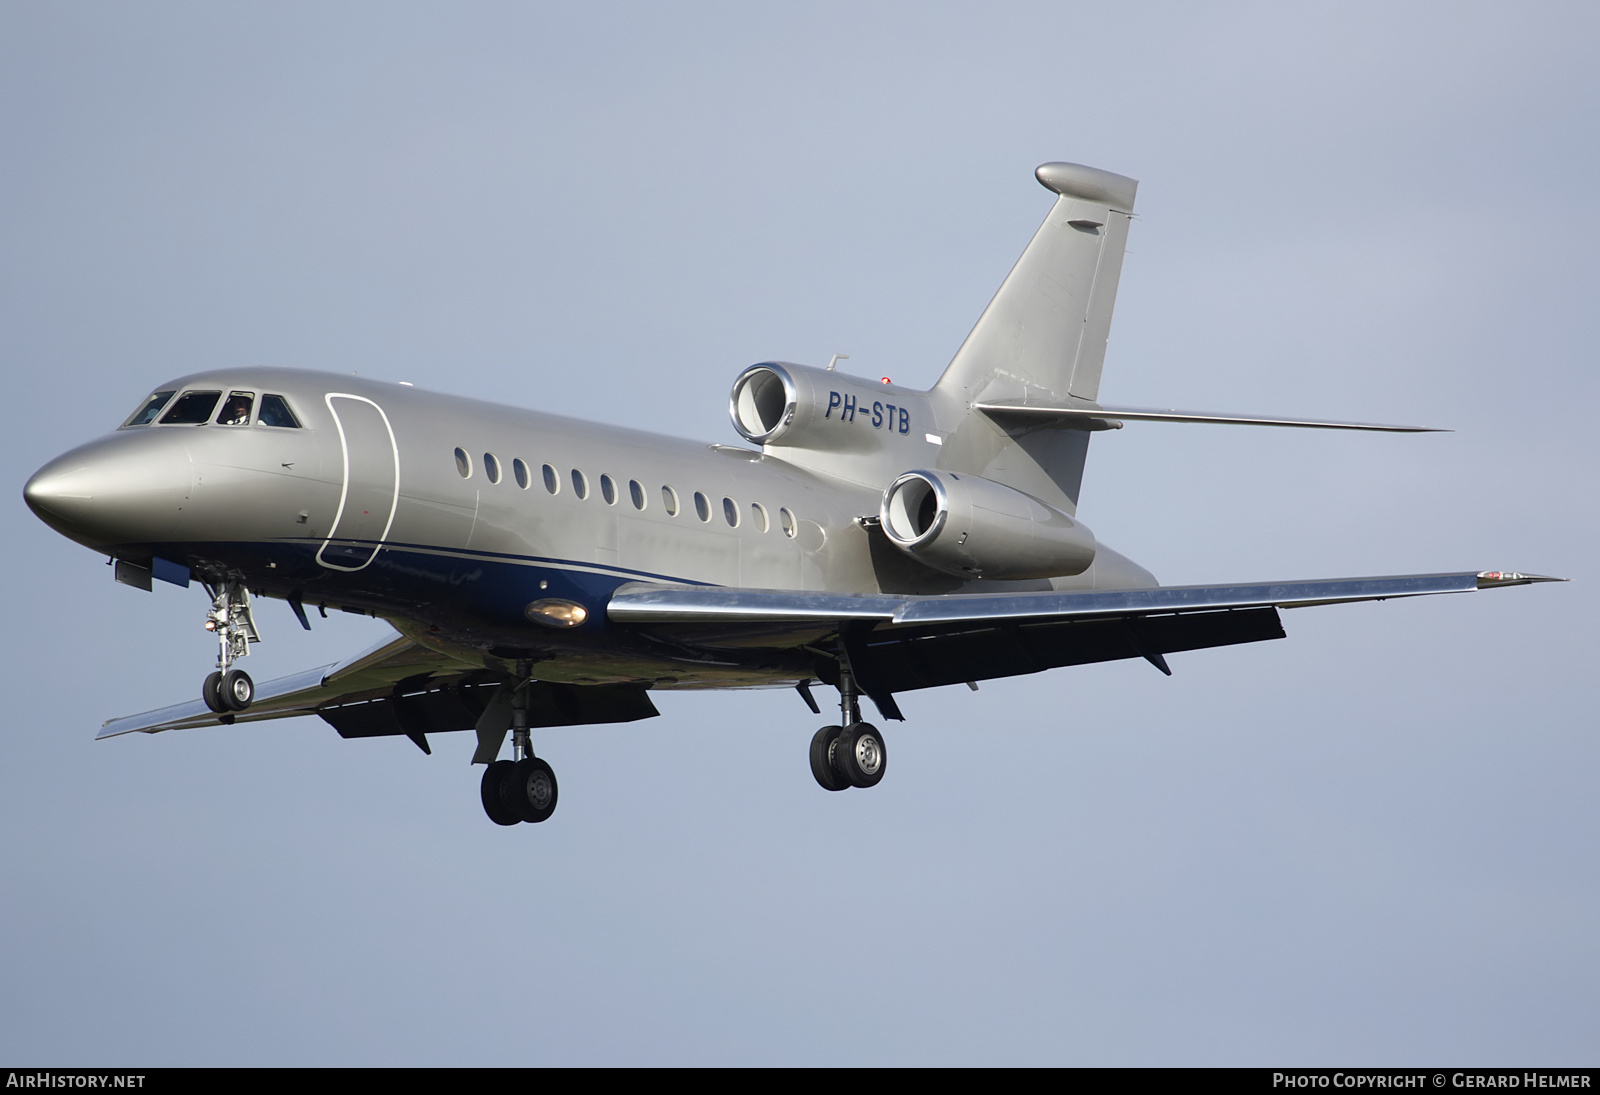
(796, 406)
(974, 527)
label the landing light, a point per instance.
(554, 612)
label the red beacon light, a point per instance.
(886, 380)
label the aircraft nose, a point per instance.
(111, 492)
(61, 491)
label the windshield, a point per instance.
(236, 409)
(148, 410)
(191, 409)
(275, 412)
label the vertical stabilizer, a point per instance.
(1043, 336)
(1044, 333)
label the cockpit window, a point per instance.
(148, 410)
(191, 409)
(275, 412)
(236, 409)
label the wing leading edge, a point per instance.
(641, 603)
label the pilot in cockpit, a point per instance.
(236, 411)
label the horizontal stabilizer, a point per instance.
(1093, 416)
(644, 604)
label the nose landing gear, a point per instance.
(228, 689)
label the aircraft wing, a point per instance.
(900, 643)
(377, 670)
(641, 603)
(399, 687)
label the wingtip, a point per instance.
(1489, 579)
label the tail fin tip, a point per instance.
(1075, 180)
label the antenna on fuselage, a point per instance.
(836, 359)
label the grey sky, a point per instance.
(1372, 842)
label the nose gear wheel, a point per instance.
(230, 619)
(211, 692)
(237, 690)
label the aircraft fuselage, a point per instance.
(450, 517)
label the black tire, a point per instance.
(494, 777)
(860, 755)
(238, 690)
(530, 790)
(211, 692)
(827, 776)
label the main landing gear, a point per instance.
(852, 755)
(228, 689)
(524, 788)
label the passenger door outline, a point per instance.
(353, 553)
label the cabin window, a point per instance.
(608, 490)
(236, 409)
(669, 501)
(491, 467)
(192, 409)
(730, 512)
(636, 492)
(702, 507)
(580, 485)
(148, 410)
(463, 464)
(275, 412)
(519, 471)
(759, 516)
(552, 481)
(786, 520)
